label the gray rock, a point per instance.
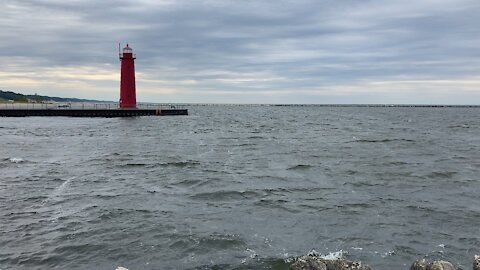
(419, 265)
(440, 265)
(318, 263)
(339, 264)
(342, 264)
(308, 263)
(476, 262)
(435, 265)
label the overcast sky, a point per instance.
(240, 51)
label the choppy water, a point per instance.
(240, 188)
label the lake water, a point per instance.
(240, 187)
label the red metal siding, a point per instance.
(128, 97)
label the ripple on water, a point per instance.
(225, 195)
(177, 164)
(218, 242)
(301, 167)
(441, 174)
(386, 140)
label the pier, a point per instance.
(89, 110)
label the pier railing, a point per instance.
(87, 106)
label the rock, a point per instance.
(440, 265)
(476, 262)
(308, 263)
(319, 263)
(435, 265)
(339, 264)
(342, 264)
(419, 265)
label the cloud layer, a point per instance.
(304, 51)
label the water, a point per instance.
(240, 188)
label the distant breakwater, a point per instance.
(339, 105)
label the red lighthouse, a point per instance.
(128, 97)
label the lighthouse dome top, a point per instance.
(127, 49)
(127, 53)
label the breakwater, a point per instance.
(88, 110)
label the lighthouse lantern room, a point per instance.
(127, 78)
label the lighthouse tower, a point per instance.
(128, 97)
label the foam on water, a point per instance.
(334, 255)
(61, 188)
(16, 160)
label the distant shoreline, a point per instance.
(9, 97)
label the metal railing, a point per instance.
(161, 106)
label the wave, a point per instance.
(279, 204)
(258, 263)
(16, 160)
(21, 214)
(459, 126)
(300, 167)
(134, 165)
(255, 137)
(57, 192)
(179, 164)
(225, 195)
(382, 140)
(444, 174)
(120, 212)
(221, 241)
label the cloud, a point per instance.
(272, 50)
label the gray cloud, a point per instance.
(334, 51)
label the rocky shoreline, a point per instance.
(315, 262)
